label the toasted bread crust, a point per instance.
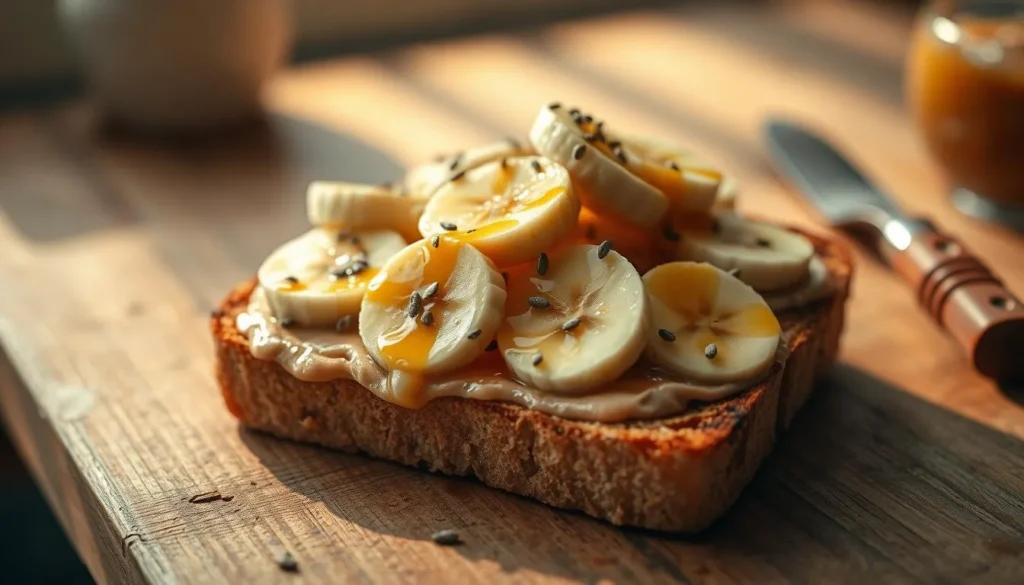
(673, 474)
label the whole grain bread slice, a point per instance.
(675, 474)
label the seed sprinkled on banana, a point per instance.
(538, 302)
(710, 351)
(427, 318)
(415, 304)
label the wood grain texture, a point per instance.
(905, 467)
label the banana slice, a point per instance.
(356, 206)
(320, 277)
(581, 323)
(708, 325)
(430, 310)
(768, 257)
(689, 183)
(604, 185)
(423, 180)
(511, 210)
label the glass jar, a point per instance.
(965, 89)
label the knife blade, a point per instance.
(956, 289)
(838, 189)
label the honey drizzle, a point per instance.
(502, 225)
(290, 286)
(406, 348)
(353, 282)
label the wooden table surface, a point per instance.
(905, 467)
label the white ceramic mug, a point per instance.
(173, 65)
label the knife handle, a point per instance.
(966, 299)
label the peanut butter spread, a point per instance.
(644, 392)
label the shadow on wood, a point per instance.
(232, 196)
(871, 483)
(250, 177)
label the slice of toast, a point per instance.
(675, 474)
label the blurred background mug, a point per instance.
(177, 65)
(965, 89)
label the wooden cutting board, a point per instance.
(905, 467)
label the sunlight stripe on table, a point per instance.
(503, 79)
(360, 97)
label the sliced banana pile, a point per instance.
(578, 320)
(767, 257)
(544, 216)
(708, 325)
(423, 180)
(511, 209)
(319, 278)
(431, 309)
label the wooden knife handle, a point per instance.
(965, 298)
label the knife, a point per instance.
(956, 289)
